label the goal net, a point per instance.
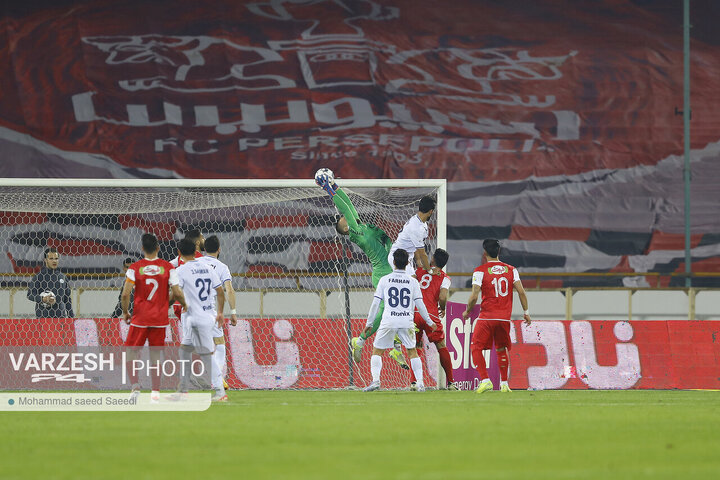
(302, 290)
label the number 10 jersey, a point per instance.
(496, 281)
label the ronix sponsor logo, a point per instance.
(497, 269)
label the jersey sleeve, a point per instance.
(516, 275)
(379, 291)
(215, 279)
(175, 262)
(446, 283)
(347, 209)
(418, 236)
(477, 278)
(130, 275)
(224, 274)
(173, 280)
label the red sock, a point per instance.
(479, 360)
(446, 363)
(503, 363)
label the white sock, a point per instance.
(375, 367)
(503, 382)
(215, 377)
(360, 342)
(416, 365)
(484, 380)
(220, 359)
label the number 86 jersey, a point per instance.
(399, 291)
(495, 280)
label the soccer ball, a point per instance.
(324, 173)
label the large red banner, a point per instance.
(376, 89)
(313, 353)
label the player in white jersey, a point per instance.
(198, 281)
(197, 238)
(412, 238)
(212, 251)
(401, 294)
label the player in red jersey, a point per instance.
(434, 288)
(152, 278)
(493, 279)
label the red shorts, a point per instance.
(137, 335)
(487, 331)
(434, 336)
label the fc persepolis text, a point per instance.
(342, 115)
(72, 366)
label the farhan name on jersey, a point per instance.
(398, 280)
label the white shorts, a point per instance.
(199, 334)
(217, 331)
(385, 337)
(410, 268)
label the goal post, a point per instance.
(301, 288)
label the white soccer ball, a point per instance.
(323, 173)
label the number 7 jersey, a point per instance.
(496, 281)
(152, 279)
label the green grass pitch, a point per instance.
(380, 435)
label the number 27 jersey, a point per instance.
(198, 281)
(496, 281)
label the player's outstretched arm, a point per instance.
(471, 301)
(518, 286)
(421, 258)
(344, 197)
(346, 209)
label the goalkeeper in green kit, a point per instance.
(376, 245)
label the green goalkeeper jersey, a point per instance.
(371, 239)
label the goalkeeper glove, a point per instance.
(330, 189)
